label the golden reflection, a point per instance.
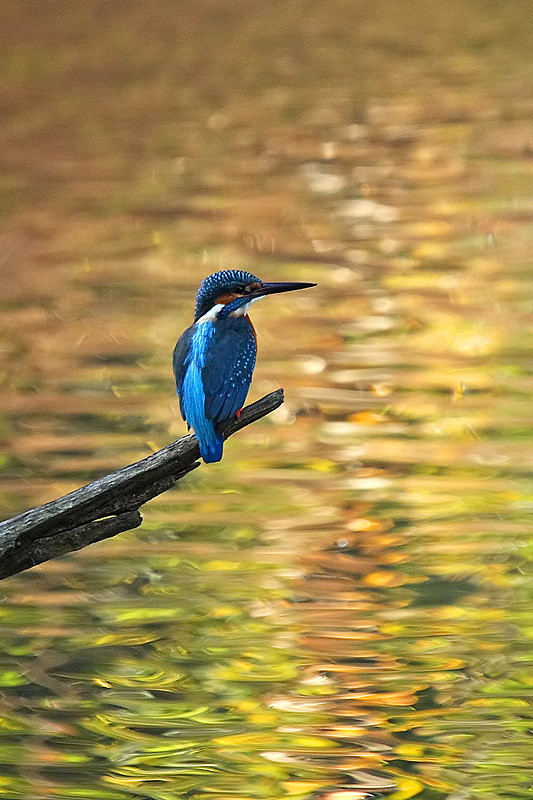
(340, 610)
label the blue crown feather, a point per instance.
(214, 285)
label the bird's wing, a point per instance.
(228, 367)
(181, 360)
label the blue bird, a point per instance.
(214, 358)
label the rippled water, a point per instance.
(342, 608)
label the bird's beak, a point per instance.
(276, 288)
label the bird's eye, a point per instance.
(251, 287)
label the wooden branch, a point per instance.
(110, 504)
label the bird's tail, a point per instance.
(192, 402)
(210, 442)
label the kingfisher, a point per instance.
(215, 357)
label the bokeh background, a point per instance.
(341, 609)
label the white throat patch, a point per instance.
(210, 315)
(243, 310)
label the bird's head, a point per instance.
(236, 290)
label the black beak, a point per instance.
(276, 288)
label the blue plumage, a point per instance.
(214, 285)
(213, 365)
(215, 357)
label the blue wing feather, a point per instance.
(213, 364)
(228, 367)
(180, 361)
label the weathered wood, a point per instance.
(110, 504)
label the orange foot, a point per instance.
(238, 414)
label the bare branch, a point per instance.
(110, 504)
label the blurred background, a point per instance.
(340, 609)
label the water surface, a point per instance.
(341, 609)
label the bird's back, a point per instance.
(213, 365)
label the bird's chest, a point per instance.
(238, 330)
(220, 341)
